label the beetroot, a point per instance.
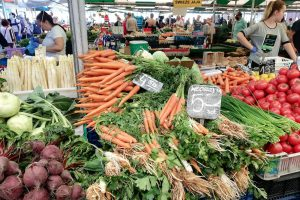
(54, 182)
(42, 163)
(37, 146)
(77, 192)
(37, 194)
(35, 176)
(63, 192)
(11, 188)
(3, 167)
(55, 168)
(12, 169)
(52, 152)
(66, 176)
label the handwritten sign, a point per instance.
(148, 83)
(186, 3)
(204, 101)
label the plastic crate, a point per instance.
(283, 164)
(15, 51)
(280, 62)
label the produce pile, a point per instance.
(151, 148)
(24, 74)
(281, 95)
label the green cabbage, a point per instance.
(9, 104)
(20, 124)
(160, 56)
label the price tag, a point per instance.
(148, 83)
(204, 101)
(267, 67)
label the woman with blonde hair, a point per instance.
(269, 27)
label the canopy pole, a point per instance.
(252, 13)
(3, 10)
(79, 34)
(214, 11)
(233, 21)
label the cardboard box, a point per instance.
(208, 58)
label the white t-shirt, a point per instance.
(8, 34)
(55, 32)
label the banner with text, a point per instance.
(187, 3)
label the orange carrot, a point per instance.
(91, 124)
(115, 141)
(108, 65)
(168, 110)
(146, 123)
(119, 77)
(128, 88)
(99, 72)
(173, 112)
(112, 57)
(102, 108)
(108, 53)
(227, 89)
(82, 122)
(210, 80)
(153, 119)
(103, 60)
(166, 105)
(202, 129)
(130, 68)
(155, 143)
(195, 165)
(82, 111)
(89, 105)
(126, 135)
(116, 91)
(129, 95)
(113, 133)
(92, 79)
(92, 55)
(241, 80)
(152, 146)
(149, 120)
(220, 79)
(111, 76)
(112, 86)
(147, 148)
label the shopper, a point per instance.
(270, 25)
(131, 24)
(56, 38)
(16, 26)
(295, 36)
(239, 25)
(151, 22)
(197, 24)
(289, 23)
(8, 33)
(179, 22)
(118, 22)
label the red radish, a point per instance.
(286, 147)
(285, 111)
(35, 176)
(66, 176)
(37, 194)
(282, 99)
(275, 104)
(54, 182)
(290, 116)
(280, 94)
(284, 138)
(275, 148)
(37, 146)
(63, 192)
(77, 192)
(281, 79)
(54, 167)
(12, 169)
(42, 163)
(294, 139)
(296, 148)
(275, 110)
(289, 92)
(282, 87)
(271, 97)
(294, 81)
(251, 86)
(293, 98)
(249, 100)
(264, 105)
(261, 85)
(296, 88)
(11, 188)
(246, 92)
(271, 89)
(273, 82)
(258, 94)
(52, 152)
(297, 118)
(293, 73)
(286, 105)
(283, 71)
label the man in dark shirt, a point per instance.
(295, 36)
(3, 41)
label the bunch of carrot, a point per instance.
(103, 83)
(199, 128)
(149, 147)
(117, 137)
(230, 79)
(149, 121)
(171, 108)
